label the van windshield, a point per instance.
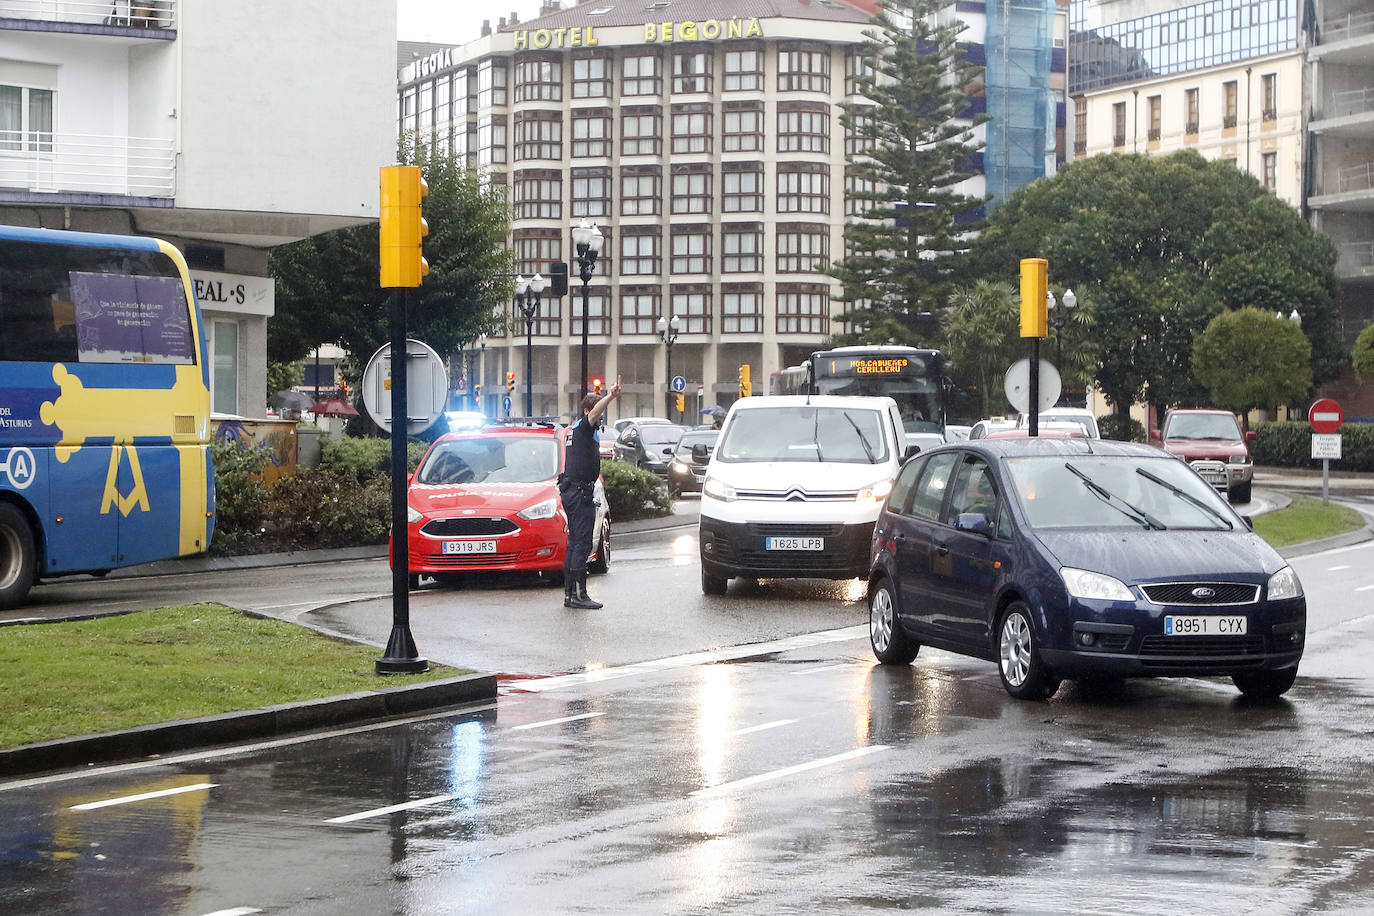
(804, 433)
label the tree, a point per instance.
(1250, 358)
(1161, 246)
(908, 246)
(327, 285)
(1363, 355)
(981, 328)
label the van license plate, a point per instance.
(452, 547)
(1205, 626)
(794, 543)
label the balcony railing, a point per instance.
(1345, 27)
(1356, 177)
(1355, 257)
(53, 163)
(142, 14)
(1349, 102)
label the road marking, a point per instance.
(391, 809)
(758, 728)
(789, 771)
(1364, 588)
(236, 911)
(585, 715)
(1338, 568)
(806, 671)
(144, 796)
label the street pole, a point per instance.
(587, 240)
(667, 332)
(527, 290)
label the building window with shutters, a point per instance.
(691, 191)
(639, 251)
(692, 71)
(741, 246)
(691, 249)
(640, 75)
(803, 309)
(539, 194)
(804, 68)
(803, 130)
(741, 308)
(803, 187)
(640, 190)
(641, 132)
(692, 128)
(538, 79)
(742, 188)
(802, 248)
(692, 306)
(638, 309)
(591, 77)
(744, 69)
(591, 193)
(591, 132)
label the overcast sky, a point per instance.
(456, 21)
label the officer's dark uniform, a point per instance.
(576, 486)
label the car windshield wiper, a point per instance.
(1134, 513)
(1185, 495)
(863, 440)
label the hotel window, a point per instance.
(691, 189)
(692, 128)
(539, 194)
(859, 133)
(692, 304)
(803, 187)
(598, 319)
(640, 190)
(641, 131)
(535, 248)
(743, 128)
(591, 78)
(860, 193)
(1119, 124)
(1270, 164)
(491, 140)
(1190, 102)
(1270, 94)
(802, 248)
(692, 71)
(803, 308)
(1080, 126)
(741, 187)
(1229, 103)
(639, 75)
(741, 246)
(857, 66)
(425, 122)
(1153, 109)
(26, 118)
(743, 70)
(638, 309)
(224, 383)
(741, 308)
(538, 135)
(548, 321)
(804, 68)
(639, 251)
(538, 79)
(591, 192)
(803, 129)
(591, 132)
(407, 108)
(491, 83)
(691, 249)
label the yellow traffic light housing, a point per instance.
(596, 387)
(1035, 289)
(510, 382)
(681, 402)
(746, 387)
(403, 227)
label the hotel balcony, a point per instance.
(137, 18)
(38, 167)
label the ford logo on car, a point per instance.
(1204, 592)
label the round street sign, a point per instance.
(426, 387)
(1325, 416)
(679, 383)
(1017, 385)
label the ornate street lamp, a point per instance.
(587, 240)
(527, 290)
(667, 332)
(1058, 318)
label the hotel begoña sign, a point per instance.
(654, 33)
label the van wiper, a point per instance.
(863, 440)
(1134, 513)
(1184, 494)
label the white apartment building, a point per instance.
(213, 125)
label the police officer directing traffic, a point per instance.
(576, 487)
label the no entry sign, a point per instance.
(1325, 416)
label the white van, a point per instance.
(794, 487)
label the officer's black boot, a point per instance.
(586, 599)
(569, 588)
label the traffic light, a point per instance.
(746, 389)
(403, 227)
(510, 382)
(681, 402)
(1035, 288)
(477, 391)
(596, 387)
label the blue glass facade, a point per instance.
(1020, 56)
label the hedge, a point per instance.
(1289, 445)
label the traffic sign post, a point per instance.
(1326, 418)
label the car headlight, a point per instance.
(1238, 459)
(546, 509)
(717, 490)
(874, 493)
(412, 514)
(1284, 584)
(1084, 584)
(680, 468)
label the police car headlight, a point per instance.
(714, 489)
(546, 509)
(874, 493)
(1284, 584)
(412, 514)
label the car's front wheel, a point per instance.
(1024, 674)
(1240, 493)
(1265, 685)
(712, 584)
(602, 563)
(891, 645)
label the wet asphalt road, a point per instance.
(738, 754)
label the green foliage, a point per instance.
(909, 246)
(315, 508)
(1248, 359)
(365, 457)
(1121, 427)
(240, 494)
(283, 376)
(982, 326)
(1362, 357)
(1290, 445)
(633, 492)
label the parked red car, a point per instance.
(487, 500)
(1211, 441)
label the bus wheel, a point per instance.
(17, 556)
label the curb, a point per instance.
(265, 722)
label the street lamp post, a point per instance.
(527, 290)
(1058, 318)
(667, 332)
(587, 241)
(481, 371)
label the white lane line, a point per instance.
(236, 911)
(789, 771)
(1364, 588)
(710, 657)
(805, 671)
(389, 809)
(144, 796)
(1338, 568)
(585, 715)
(759, 728)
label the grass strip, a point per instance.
(1306, 519)
(106, 674)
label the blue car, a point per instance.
(1071, 558)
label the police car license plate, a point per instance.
(1205, 626)
(781, 543)
(452, 547)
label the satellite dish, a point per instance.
(1017, 385)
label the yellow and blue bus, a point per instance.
(104, 407)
